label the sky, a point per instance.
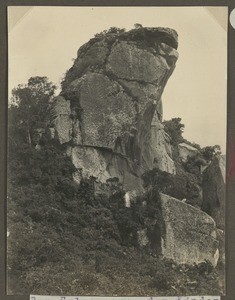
(43, 41)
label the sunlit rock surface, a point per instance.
(190, 234)
(110, 107)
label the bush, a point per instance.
(181, 185)
(174, 128)
(111, 30)
(194, 163)
(209, 152)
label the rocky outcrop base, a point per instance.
(190, 234)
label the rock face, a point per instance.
(109, 112)
(213, 187)
(186, 151)
(109, 118)
(190, 234)
(61, 119)
(140, 65)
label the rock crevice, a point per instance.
(114, 94)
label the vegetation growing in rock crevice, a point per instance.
(144, 37)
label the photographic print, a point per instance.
(116, 150)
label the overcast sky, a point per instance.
(43, 41)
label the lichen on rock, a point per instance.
(112, 101)
(61, 119)
(190, 234)
(127, 61)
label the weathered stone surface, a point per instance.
(89, 58)
(169, 53)
(160, 147)
(107, 111)
(213, 189)
(60, 106)
(61, 119)
(90, 161)
(190, 234)
(127, 61)
(95, 55)
(142, 94)
(152, 140)
(103, 164)
(186, 151)
(110, 108)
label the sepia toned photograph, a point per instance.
(116, 150)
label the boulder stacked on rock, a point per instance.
(110, 109)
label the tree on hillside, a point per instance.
(29, 104)
(209, 152)
(174, 128)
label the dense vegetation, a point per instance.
(64, 239)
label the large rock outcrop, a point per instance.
(190, 235)
(109, 111)
(213, 187)
(109, 118)
(184, 234)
